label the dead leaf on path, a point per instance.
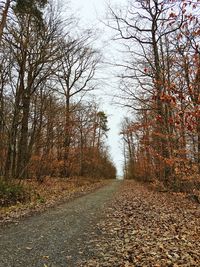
(68, 257)
(45, 257)
(29, 248)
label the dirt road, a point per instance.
(57, 237)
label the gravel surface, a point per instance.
(57, 237)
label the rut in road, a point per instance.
(58, 237)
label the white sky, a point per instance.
(90, 13)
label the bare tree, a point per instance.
(77, 67)
(144, 26)
(34, 50)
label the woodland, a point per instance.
(161, 85)
(52, 127)
(53, 136)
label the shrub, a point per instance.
(11, 193)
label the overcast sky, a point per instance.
(90, 13)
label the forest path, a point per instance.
(57, 237)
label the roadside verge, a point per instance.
(52, 192)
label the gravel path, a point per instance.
(57, 237)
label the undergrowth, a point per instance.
(11, 193)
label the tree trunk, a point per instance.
(23, 155)
(4, 17)
(198, 144)
(162, 139)
(10, 164)
(67, 138)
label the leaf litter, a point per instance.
(144, 227)
(52, 192)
